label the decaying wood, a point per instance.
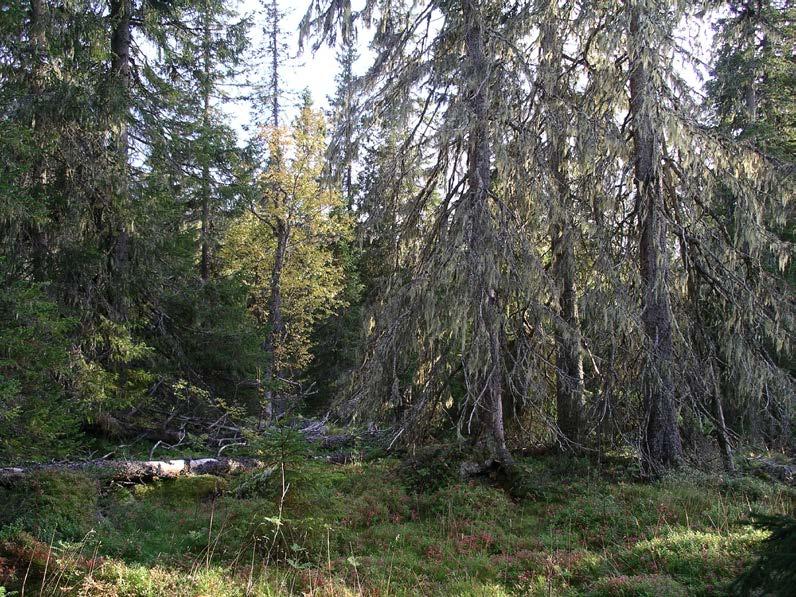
(140, 470)
(786, 473)
(315, 431)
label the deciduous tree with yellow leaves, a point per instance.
(284, 248)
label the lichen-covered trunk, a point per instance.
(274, 41)
(272, 406)
(131, 471)
(661, 445)
(722, 435)
(569, 360)
(38, 42)
(485, 298)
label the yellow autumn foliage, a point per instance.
(292, 191)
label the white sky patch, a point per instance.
(315, 71)
(695, 36)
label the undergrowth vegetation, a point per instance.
(380, 528)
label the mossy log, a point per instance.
(139, 470)
(786, 473)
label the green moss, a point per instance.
(700, 559)
(360, 528)
(182, 489)
(120, 580)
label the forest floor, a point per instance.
(378, 527)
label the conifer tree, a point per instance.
(555, 116)
(342, 148)
(459, 257)
(750, 100)
(661, 446)
(198, 139)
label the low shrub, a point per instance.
(431, 468)
(643, 585)
(50, 504)
(774, 571)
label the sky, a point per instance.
(315, 71)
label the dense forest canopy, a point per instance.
(525, 224)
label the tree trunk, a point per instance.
(485, 298)
(38, 41)
(348, 190)
(204, 267)
(661, 445)
(272, 406)
(348, 181)
(750, 35)
(138, 470)
(569, 361)
(271, 403)
(722, 437)
(274, 33)
(120, 16)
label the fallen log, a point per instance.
(334, 442)
(139, 470)
(785, 473)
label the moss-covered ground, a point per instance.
(565, 528)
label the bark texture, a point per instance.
(140, 470)
(569, 361)
(120, 16)
(485, 296)
(272, 405)
(661, 445)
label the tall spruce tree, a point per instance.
(462, 245)
(661, 445)
(555, 114)
(342, 149)
(750, 98)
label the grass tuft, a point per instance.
(372, 528)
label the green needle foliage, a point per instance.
(519, 225)
(774, 571)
